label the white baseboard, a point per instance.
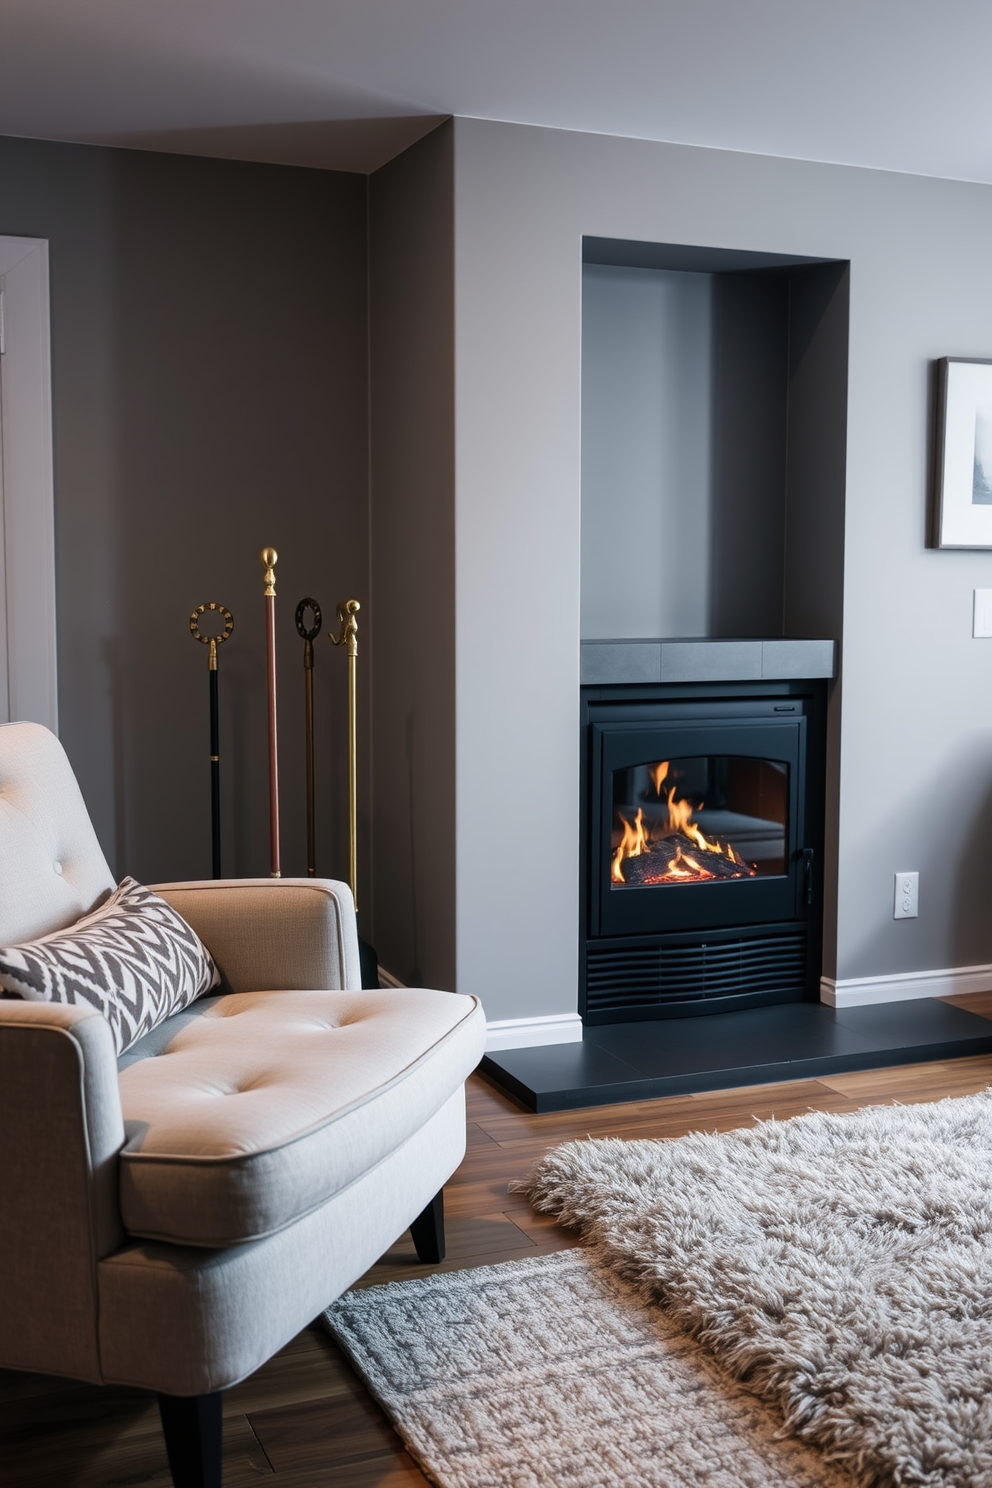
(531, 1033)
(518, 1033)
(861, 991)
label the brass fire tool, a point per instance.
(308, 634)
(270, 558)
(213, 641)
(347, 610)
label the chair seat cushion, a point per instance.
(253, 1109)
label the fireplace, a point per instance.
(704, 770)
(702, 853)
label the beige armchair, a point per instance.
(170, 1219)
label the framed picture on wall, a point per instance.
(962, 480)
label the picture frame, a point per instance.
(961, 502)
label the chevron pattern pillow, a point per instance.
(134, 959)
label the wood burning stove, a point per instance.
(701, 859)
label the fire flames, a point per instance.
(671, 863)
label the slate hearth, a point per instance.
(679, 1056)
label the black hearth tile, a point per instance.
(683, 1056)
(577, 1074)
(730, 1042)
(923, 1020)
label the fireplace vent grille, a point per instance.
(633, 976)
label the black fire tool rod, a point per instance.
(213, 641)
(214, 767)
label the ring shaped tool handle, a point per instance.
(194, 623)
(308, 633)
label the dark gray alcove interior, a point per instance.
(774, 381)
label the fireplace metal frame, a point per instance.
(707, 947)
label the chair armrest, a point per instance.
(274, 934)
(60, 1115)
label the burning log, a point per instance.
(681, 854)
(678, 859)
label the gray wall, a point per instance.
(913, 742)
(685, 432)
(209, 392)
(647, 412)
(413, 561)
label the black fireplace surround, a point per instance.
(702, 847)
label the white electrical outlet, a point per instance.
(907, 901)
(981, 619)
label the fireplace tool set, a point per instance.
(347, 638)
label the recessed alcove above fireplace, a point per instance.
(714, 386)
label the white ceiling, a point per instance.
(900, 84)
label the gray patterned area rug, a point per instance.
(552, 1373)
(839, 1265)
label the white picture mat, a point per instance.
(963, 524)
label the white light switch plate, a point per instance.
(982, 614)
(907, 899)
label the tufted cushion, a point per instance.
(52, 869)
(254, 1109)
(134, 959)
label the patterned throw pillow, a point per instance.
(134, 959)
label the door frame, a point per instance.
(28, 669)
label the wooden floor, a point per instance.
(305, 1419)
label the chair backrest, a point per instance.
(52, 868)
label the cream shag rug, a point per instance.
(550, 1373)
(841, 1266)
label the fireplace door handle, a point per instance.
(808, 874)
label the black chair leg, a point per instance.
(193, 1429)
(428, 1231)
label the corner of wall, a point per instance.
(412, 609)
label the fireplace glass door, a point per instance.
(697, 825)
(698, 819)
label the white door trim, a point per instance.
(27, 513)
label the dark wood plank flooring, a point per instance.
(305, 1418)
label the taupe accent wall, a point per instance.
(209, 397)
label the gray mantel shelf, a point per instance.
(604, 662)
